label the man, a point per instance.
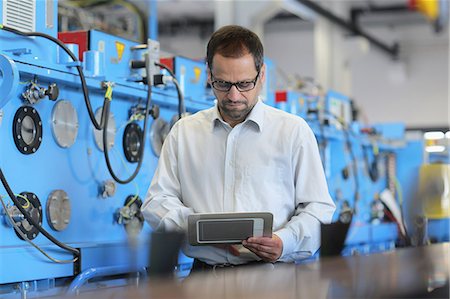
(241, 156)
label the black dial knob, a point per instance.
(154, 112)
(52, 92)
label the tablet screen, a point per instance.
(225, 230)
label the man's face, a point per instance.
(235, 105)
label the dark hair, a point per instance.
(235, 41)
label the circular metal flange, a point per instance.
(132, 140)
(131, 215)
(58, 210)
(34, 209)
(9, 79)
(110, 131)
(158, 133)
(64, 123)
(27, 130)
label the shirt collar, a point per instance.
(256, 116)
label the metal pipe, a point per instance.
(90, 273)
(355, 12)
(153, 20)
(393, 50)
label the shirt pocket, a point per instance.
(263, 188)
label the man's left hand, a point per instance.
(268, 249)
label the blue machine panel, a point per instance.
(192, 76)
(79, 169)
(269, 87)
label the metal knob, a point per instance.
(52, 92)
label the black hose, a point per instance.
(27, 216)
(354, 165)
(323, 144)
(105, 112)
(181, 108)
(372, 168)
(106, 109)
(352, 155)
(79, 69)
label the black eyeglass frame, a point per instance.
(231, 84)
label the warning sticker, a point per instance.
(197, 73)
(120, 47)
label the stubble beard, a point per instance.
(237, 115)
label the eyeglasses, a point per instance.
(241, 85)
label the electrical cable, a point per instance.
(391, 217)
(33, 222)
(106, 109)
(142, 18)
(23, 236)
(400, 201)
(372, 168)
(142, 27)
(352, 154)
(323, 143)
(134, 117)
(136, 195)
(349, 146)
(106, 104)
(24, 198)
(181, 107)
(98, 126)
(354, 165)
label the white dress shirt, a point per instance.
(268, 163)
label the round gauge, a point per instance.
(158, 133)
(132, 140)
(58, 210)
(110, 131)
(64, 123)
(27, 130)
(30, 202)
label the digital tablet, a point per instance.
(228, 228)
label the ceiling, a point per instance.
(192, 9)
(180, 16)
(176, 15)
(173, 10)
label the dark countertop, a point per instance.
(421, 272)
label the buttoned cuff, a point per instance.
(289, 241)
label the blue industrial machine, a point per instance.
(369, 169)
(61, 103)
(81, 198)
